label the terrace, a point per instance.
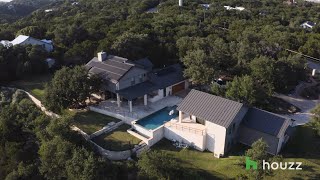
(91, 122)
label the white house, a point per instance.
(308, 25)
(208, 122)
(27, 40)
(234, 8)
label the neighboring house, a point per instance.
(215, 124)
(131, 81)
(308, 25)
(234, 8)
(205, 6)
(26, 40)
(6, 43)
(314, 1)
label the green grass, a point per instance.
(35, 85)
(117, 140)
(91, 122)
(303, 147)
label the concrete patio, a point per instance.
(110, 108)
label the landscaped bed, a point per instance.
(91, 122)
(303, 147)
(117, 140)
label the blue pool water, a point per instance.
(158, 118)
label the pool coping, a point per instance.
(135, 121)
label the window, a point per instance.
(140, 78)
(132, 82)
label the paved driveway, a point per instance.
(305, 105)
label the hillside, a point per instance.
(16, 9)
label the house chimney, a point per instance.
(102, 56)
(180, 3)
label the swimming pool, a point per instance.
(158, 118)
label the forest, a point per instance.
(210, 42)
(17, 9)
(249, 46)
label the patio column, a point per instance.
(145, 98)
(130, 105)
(118, 100)
(180, 116)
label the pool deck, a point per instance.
(110, 108)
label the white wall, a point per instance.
(157, 97)
(169, 91)
(142, 130)
(157, 135)
(216, 137)
(186, 137)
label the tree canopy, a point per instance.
(70, 88)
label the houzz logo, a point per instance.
(274, 165)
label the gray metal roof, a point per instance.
(113, 67)
(137, 90)
(212, 108)
(266, 122)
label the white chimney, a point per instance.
(102, 56)
(180, 3)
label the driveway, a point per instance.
(304, 104)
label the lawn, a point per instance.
(91, 122)
(117, 140)
(304, 147)
(34, 85)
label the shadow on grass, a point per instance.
(117, 140)
(91, 122)
(303, 144)
(166, 145)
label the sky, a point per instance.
(5, 0)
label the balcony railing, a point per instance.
(185, 128)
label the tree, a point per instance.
(199, 67)
(242, 89)
(289, 72)
(131, 45)
(81, 165)
(263, 70)
(158, 165)
(54, 155)
(33, 31)
(218, 90)
(69, 88)
(258, 153)
(315, 120)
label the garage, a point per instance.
(178, 87)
